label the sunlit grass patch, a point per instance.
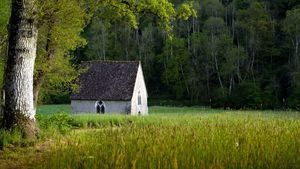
(52, 109)
(197, 139)
(170, 137)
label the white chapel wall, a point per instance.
(140, 86)
(88, 106)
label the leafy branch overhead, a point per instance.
(132, 11)
(62, 22)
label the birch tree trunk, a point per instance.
(19, 106)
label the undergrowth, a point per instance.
(220, 140)
(167, 138)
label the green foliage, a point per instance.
(242, 4)
(213, 8)
(291, 26)
(4, 18)
(222, 46)
(214, 25)
(294, 99)
(132, 10)
(10, 138)
(232, 57)
(2, 66)
(256, 22)
(52, 109)
(185, 11)
(291, 23)
(163, 9)
(94, 121)
(236, 139)
(246, 95)
(60, 25)
(196, 51)
(59, 122)
(220, 98)
(175, 58)
(62, 22)
(97, 46)
(57, 88)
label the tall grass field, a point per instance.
(169, 138)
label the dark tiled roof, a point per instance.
(107, 80)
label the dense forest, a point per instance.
(228, 53)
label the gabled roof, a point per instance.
(107, 80)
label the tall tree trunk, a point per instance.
(103, 38)
(19, 107)
(296, 53)
(238, 63)
(207, 83)
(184, 79)
(233, 23)
(218, 72)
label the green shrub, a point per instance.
(97, 121)
(4, 138)
(269, 99)
(60, 122)
(220, 98)
(194, 138)
(13, 138)
(246, 95)
(294, 99)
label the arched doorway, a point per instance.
(100, 107)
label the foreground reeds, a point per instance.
(169, 139)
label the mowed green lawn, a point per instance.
(173, 138)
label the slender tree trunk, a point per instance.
(238, 64)
(185, 81)
(127, 43)
(231, 83)
(138, 42)
(103, 37)
(189, 37)
(296, 53)
(40, 75)
(226, 13)
(208, 85)
(252, 65)
(19, 107)
(37, 85)
(233, 23)
(218, 72)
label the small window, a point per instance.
(139, 99)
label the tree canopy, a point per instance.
(208, 52)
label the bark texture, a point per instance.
(19, 106)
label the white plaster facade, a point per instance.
(139, 89)
(138, 104)
(89, 106)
